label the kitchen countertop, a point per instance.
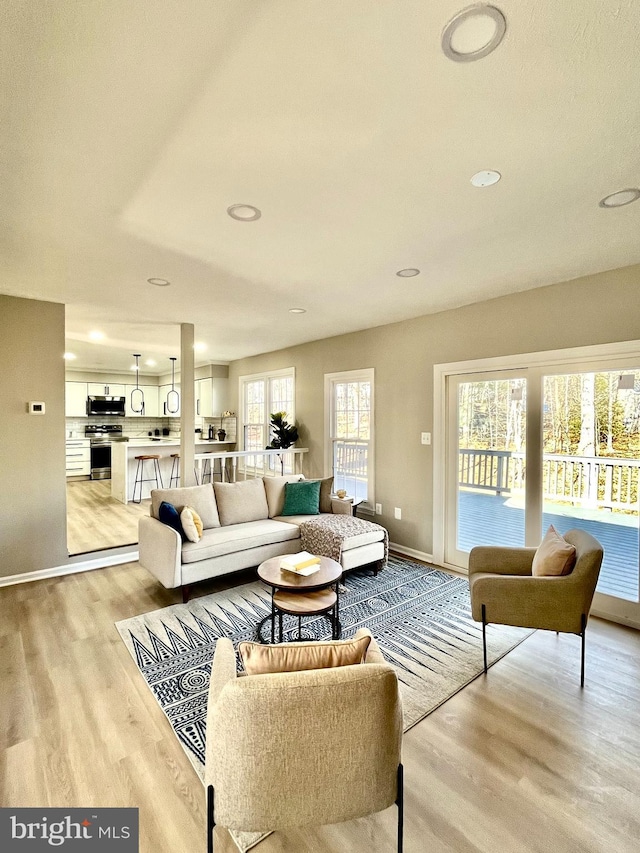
(168, 441)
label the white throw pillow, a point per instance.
(555, 556)
(191, 524)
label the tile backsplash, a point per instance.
(140, 427)
(132, 427)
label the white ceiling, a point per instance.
(129, 128)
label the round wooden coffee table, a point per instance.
(310, 602)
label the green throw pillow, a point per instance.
(302, 498)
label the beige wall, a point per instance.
(32, 451)
(596, 309)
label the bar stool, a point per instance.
(175, 470)
(211, 470)
(140, 478)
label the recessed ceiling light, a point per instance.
(159, 282)
(95, 335)
(620, 198)
(150, 362)
(244, 212)
(68, 356)
(473, 33)
(297, 310)
(408, 273)
(199, 347)
(486, 178)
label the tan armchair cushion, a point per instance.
(554, 557)
(259, 659)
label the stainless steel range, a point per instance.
(101, 438)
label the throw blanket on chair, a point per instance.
(326, 534)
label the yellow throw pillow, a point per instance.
(191, 524)
(259, 659)
(554, 557)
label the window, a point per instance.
(262, 395)
(350, 447)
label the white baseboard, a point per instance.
(411, 552)
(70, 568)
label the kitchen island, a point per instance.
(124, 463)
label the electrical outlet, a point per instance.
(398, 513)
(425, 437)
(378, 509)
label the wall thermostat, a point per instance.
(36, 408)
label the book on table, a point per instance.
(303, 563)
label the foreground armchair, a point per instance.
(504, 591)
(305, 748)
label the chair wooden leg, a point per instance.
(484, 636)
(400, 804)
(210, 819)
(186, 589)
(583, 623)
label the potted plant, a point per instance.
(283, 434)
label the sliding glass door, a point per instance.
(590, 466)
(486, 462)
(547, 444)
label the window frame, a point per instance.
(366, 374)
(264, 376)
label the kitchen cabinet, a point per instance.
(204, 398)
(100, 389)
(78, 455)
(75, 399)
(220, 397)
(150, 392)
(163, 390)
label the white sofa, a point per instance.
(243, 526)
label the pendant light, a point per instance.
(137, 395)
(173, 398)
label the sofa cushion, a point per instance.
(170, 516)
(238, 537)
(260, 659)
(200, 498)
(191, 524)
(326, 486)
(241, 502)
(274, 489)
(302, 498)
(554, 557)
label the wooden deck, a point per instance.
(487, 519)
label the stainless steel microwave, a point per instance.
(105, 406)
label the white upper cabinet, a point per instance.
(150, 409)
(203, 398)
(220, 397)
(75, 399)
(104, 389)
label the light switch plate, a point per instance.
(398, 513)
(425, 437)
(378, 509)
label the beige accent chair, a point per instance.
(304, 748)
(503, 590)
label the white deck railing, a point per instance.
(228, 466)
(594, 481)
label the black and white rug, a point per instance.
(421, 618)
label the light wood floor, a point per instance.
(95, 520)
(519, 761)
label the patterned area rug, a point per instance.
(420, 617)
